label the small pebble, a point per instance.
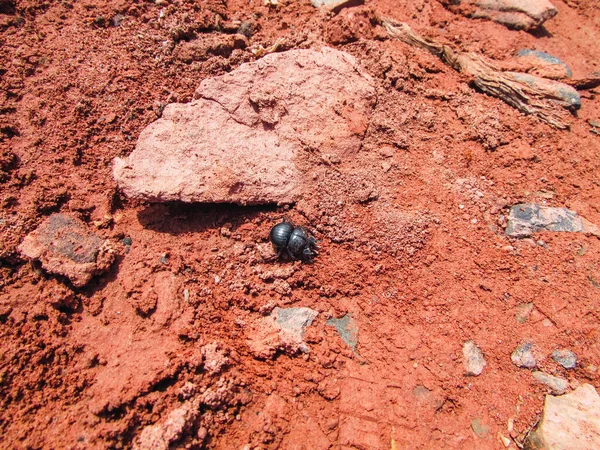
(557, 385)
(505, 441)
(565, 358)
(116, 22)
(523, 312)
(473, 359)
(246, 29)
(594, 123)
(523, 356)
(127, 243)
(480, 429)
(510, 425)
(387, 151)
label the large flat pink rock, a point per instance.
(249, 136)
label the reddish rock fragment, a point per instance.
(65, 246)
(282, 330)
(161, 435)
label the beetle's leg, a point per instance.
(289, 253)
(308, 255)
(313, 245)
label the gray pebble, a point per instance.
(246, 29)
(565, 358)
(557, 385)
(526, 219)
(347, 328)
(546, 58)
(335, 5)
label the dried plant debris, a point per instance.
(529, 94)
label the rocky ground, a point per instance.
(143, 163)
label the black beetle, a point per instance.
(297, 242)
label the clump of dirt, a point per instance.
(153, 352)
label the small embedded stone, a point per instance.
(479, 428)
(282, 330)
(523, 312)
(516, 14)
(523, 356)
(335, 5)
(565, 358)
(474, 361)
(65, 246)
(543, 64)
(527, 219)
(557, 385)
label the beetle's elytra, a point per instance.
(295, 242)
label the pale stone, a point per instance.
(569, 422)
(523, 356)
(557, 385)
(473, 359)
(282, 330)
(518, 14)
(248, 135)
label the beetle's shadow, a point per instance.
(177, 218)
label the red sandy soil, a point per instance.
(80, 368)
